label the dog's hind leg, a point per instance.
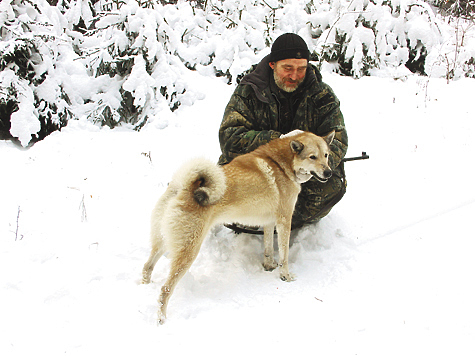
(155, 254)
(182, 258)
(158, 248)
(269, 261)
(156, 236)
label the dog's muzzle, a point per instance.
(327, 173)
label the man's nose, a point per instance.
(293, 75)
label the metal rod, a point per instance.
(363, 156)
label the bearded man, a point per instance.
(283, 93)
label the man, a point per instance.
(284, 93)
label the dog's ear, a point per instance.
(296, 146)
(329, 138)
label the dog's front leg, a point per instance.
(283, 232)
(269, 261)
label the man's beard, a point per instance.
(281, 84)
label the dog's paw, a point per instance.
(161, 318)
(287, 277)
(270, 266)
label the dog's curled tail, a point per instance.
(204, 179)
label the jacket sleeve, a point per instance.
(241, 131)
(331, 118)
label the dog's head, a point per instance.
(311, 156)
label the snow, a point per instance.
(388, 272)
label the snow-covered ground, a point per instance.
(388, 272)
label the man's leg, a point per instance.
(317, 199)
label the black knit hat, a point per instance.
(289, 45)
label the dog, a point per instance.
(259, 188)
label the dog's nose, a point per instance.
(327, 173)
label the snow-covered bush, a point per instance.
(224, 39)
(356, 36)
(362, 35)
(131, 47)
(457, 8)
(33, 102)
(125, 61)
(455, 56)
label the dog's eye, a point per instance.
(313, 157)
(326, 155)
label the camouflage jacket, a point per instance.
(252, 116)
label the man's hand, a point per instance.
(291, 133)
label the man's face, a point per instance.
(289, 73)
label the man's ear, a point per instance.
(272, 64)
(296, 146)
(329, 138)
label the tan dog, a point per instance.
(257, 188)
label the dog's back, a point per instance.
(256, 185)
